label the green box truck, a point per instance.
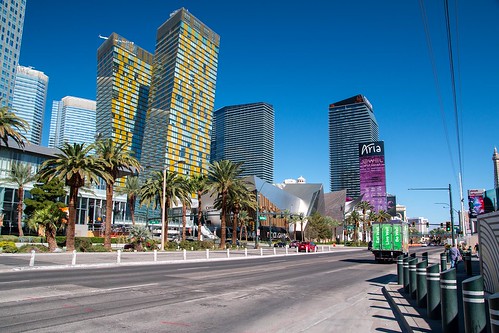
(390, 239)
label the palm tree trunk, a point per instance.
(165, 236)
(222, 222)
(183, 220)
(70, 232)
(302, 232)
(199, 216)
(109, 216)
(234, 229)
(20, 194)
(131, 202)
(50, 233)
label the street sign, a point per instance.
(262, 217)
(350, 227)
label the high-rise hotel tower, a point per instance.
(123, 81)
(11, 33)
(182, 96)
(28, 103)
(351, 121)
(245, 133)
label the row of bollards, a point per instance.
(435, 287)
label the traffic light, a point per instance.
(441, 225)
(413, 224)
(427, 224)
(274, 215)
(447, 226)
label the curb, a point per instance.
(398, 314)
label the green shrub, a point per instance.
(33, 247)
(151, 245)
(8, 247)
(171, 245)
(60, 240)
(83, 244)
(9, 238)
(206, 245)
(97, 248)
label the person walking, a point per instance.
(455, 256)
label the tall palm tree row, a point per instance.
(20, 174)
(222, 176)
(75, 167)
(365, 207)
(10, 125)
(114, 159)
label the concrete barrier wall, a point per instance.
(488, 240)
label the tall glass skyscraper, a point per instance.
(245, 133)
(11, 32)
(123, 81)
(351, 121)
(30, 95)
(182, 96)
(74, 121)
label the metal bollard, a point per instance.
(118, 256)
(494, 313)
(245, 252)
(261, 251)
(287, 250)
(155, 255)
(73, 260)
(443, 261)
(421, 283)
(467, 264)
(228, 253)
(405, 269)
(475, 318)
(424, 256)
(433, 291)
(413, 255)
(32, 259)
(448, 300)
(400, 269)
(275, 251)
(185, 254)
(207, 253)
(412, 277)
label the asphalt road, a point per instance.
(337, 291)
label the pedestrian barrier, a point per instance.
(406, 273)
(412, 277)
(424, 256)
(421, 283)
(443, 261)
(467, 263)
(475, 319)
(494, 313)
(400, 269)
(433, 291)
(448, 301)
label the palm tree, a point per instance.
(365, 207)
(20, 174)
(185, 199)
(354, 219)
(74, 166)
(199, 186)
(132, 190)
(49, 218)
(222, 175)
(10, 125)
(383, 216)
(114, 157)
(239, 197)
(244, 219)
(151, 193)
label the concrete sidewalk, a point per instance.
(415, 319)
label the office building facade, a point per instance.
(123, 82)
(351, 121)
(74, 121)
(11, 32)
(245, 134)
(28, 103)
(181, 100)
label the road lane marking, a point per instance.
(191, 268)
(126, 287)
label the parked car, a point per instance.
(294, 243)
(280, 244)
(307, 246)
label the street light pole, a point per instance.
(163, 207)
(451, 209)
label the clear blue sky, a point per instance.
(300, 56)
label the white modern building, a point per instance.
(73, 120)
(28, 103)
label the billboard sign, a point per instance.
(476, 202)
(372, 174)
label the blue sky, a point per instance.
(302, 56)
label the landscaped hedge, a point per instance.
(8, 247)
